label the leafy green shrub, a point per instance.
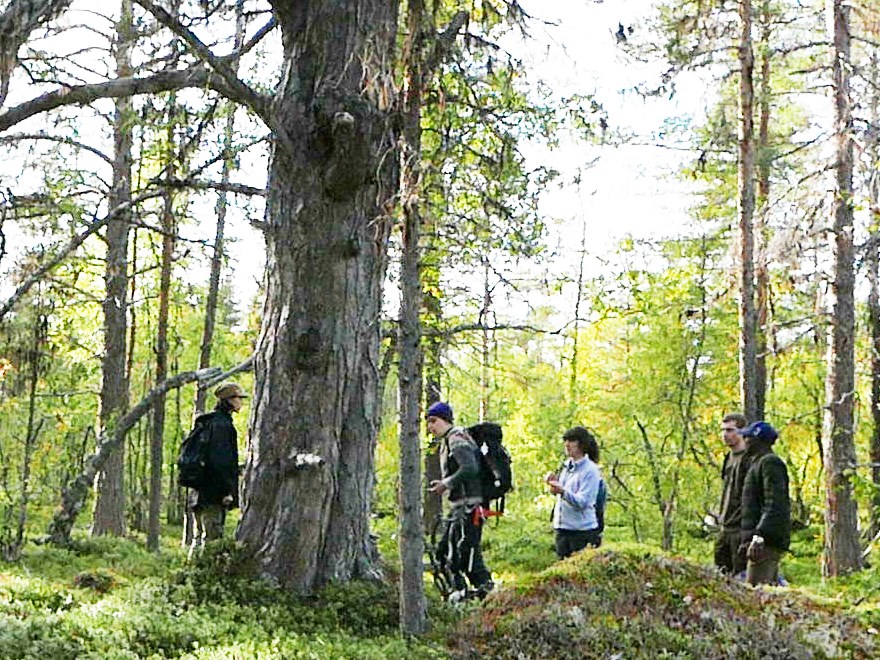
(99, 580)
(363, 608)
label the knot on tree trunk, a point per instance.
(307, 348)
(345, 137)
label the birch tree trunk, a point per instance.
(333, 177)
(109, 514)
(842, 553)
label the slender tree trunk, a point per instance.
(157, 437)
(842, 553)
(485, 346)
(13, 552)
(217, 256)
(109, 514)
(664, 506)
(762, 279)
(220, 231)
(433, 505)
(872, 257)
(332, 183)
(748, 375)
(411, 532)
(573, 390)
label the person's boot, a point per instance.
(484, 589)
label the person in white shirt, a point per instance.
(576, 488)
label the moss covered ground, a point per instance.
(110, 598)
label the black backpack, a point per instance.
(601, 500)
(496, 476)
(191, 472)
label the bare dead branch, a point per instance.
(258, 103)
(443, 44)
(72, 245)
(253, 41)
(164, 81)
(235, 188)
(247, 365)
(18, 137)
(16, 24)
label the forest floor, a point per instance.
(110, 598)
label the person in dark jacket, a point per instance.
(459, 548)
(220, 492)
(766, 509)
(733, 474)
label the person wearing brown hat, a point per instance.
(219, 493)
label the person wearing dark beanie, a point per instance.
(459, 549)
(766, 508)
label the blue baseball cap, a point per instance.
(440, 409)
(762, 431)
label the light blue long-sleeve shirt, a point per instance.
(576, 505)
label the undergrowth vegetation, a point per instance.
(107, 598)
(634, 602)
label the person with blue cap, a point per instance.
(766, 508)
(459, 549)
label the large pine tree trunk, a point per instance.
(330, 194)
(842, 553)
(109, 515)
(748, 318)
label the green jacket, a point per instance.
(766, 509)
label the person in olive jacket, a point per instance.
(766, 509)
(220, 492)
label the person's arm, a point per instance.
(774, 484)
(581, 491)
(465, 457)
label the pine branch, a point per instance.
(164, 81)
(258, 103)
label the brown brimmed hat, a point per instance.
(228, 390)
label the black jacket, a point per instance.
(221, 463)
(766, 509)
